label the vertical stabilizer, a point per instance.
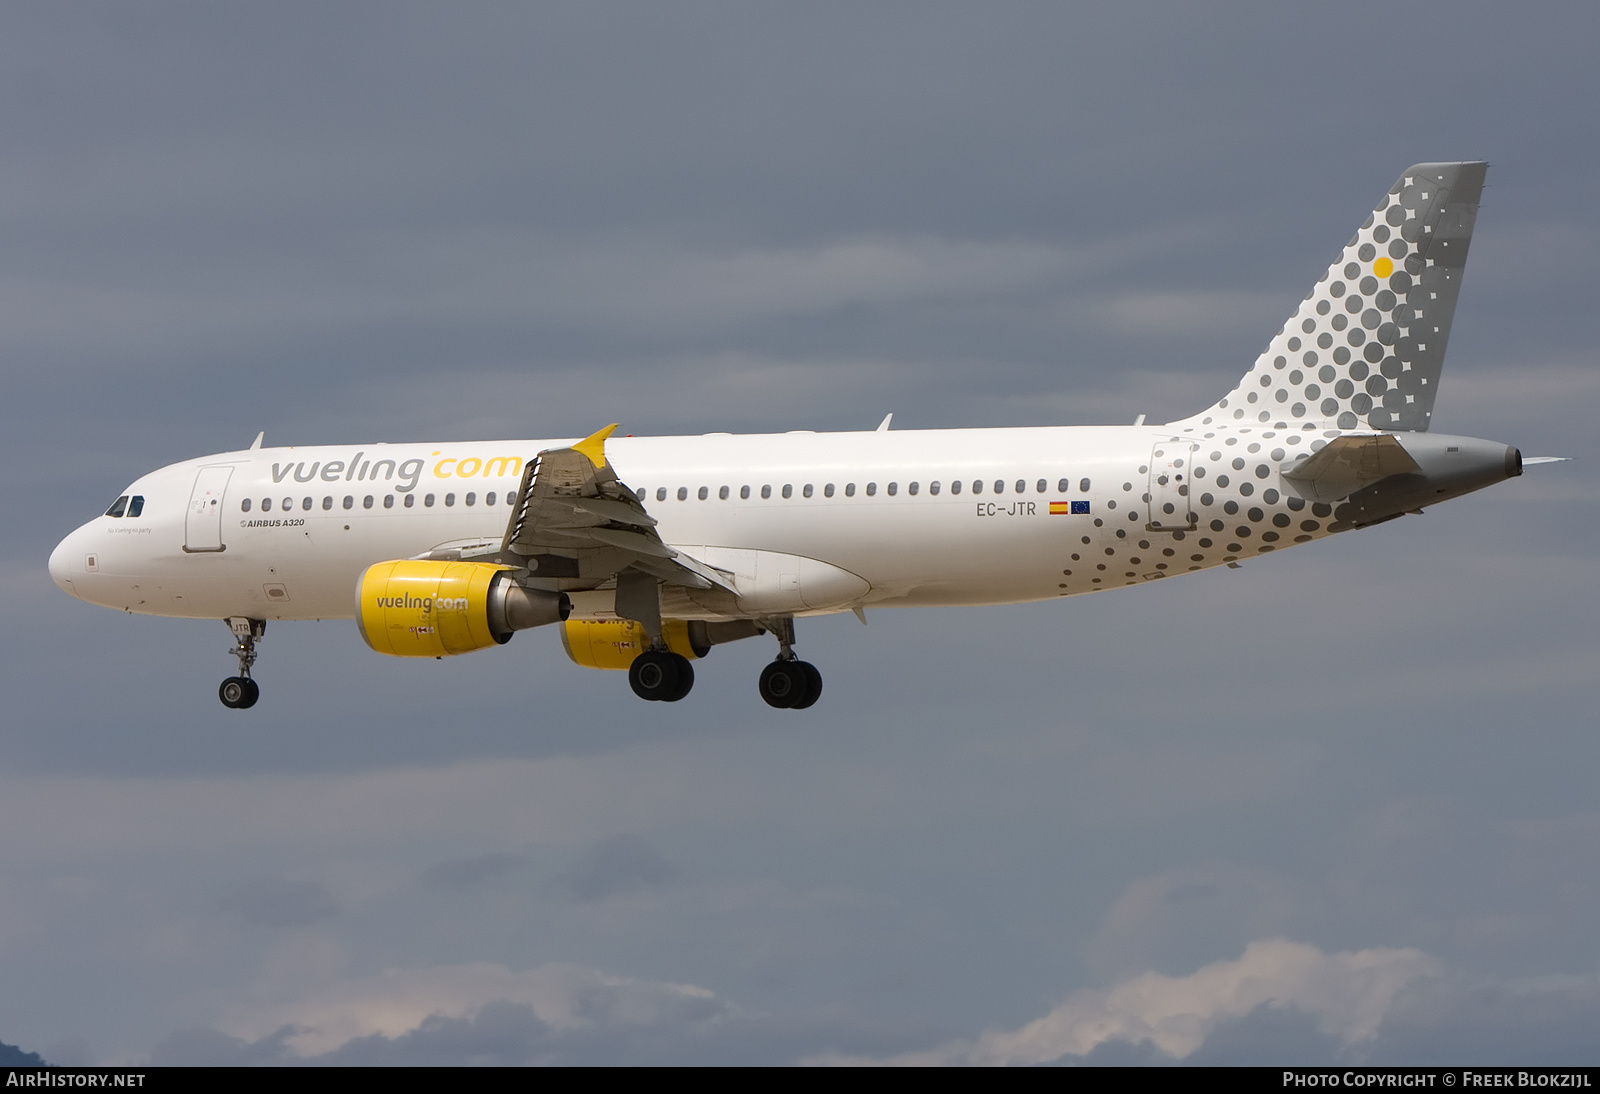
(1366, 346)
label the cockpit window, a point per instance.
(118, 506)
(136, 505)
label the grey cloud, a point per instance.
(276, 903)
(1349, 994)
(615, 866)
(1462, 1020)
(464, 873)
(13, 1056)
(1185, 313)
(1446, 1022)
(201, 1046)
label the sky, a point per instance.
(1334, 806)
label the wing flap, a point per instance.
(570, 500)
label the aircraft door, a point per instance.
(1171, 508)
(202, 525)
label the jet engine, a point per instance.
(614, 643)
(424, 608)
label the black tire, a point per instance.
(813, 690)
(783, 683)
(233, 691)
(252, 692)
(654, 675)
(685, 678)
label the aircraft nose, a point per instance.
(61, 566)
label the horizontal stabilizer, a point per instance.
(1346, 464)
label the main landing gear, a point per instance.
(240, 692)
(789, 683)
(661, 676)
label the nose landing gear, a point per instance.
(789, 683)
(240, 692)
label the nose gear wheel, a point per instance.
(240, 692)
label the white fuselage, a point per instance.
(922, 517)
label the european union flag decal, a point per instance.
(1080, 508)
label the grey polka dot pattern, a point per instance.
(1362, 353)
(1366, 346)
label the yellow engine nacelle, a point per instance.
(614, 643)
(421, 608)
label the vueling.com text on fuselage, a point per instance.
(405, 473)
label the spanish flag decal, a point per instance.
(1060, 508)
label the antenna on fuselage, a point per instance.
(883, 426)
(255, 444)
(1139, 420)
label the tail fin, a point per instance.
(1366, 346)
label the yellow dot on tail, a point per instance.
(1383, 267)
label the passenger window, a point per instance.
(266, 505)
(349, 502)
(327, 502)
(472, 499)
(428, 501)
(766, 491)
(118, 507)
(722, 494)
(788, 490)
(955, 486)
(933, 488)
(136, 505)
(661, 493)
(366, 502)
(806, 490)
(849, 489)
(305, 503)
(288, 504)
(744, 492)
(1061, 487)
(1041, 486)
(827, 491)
(977, 486)
(705, 492)
(411, 499)
(388, 501)
(449, 499)
(244, 506)
(683, 493)
(894, 488)
(911, 489)
(1083, 486)
(872, 488)
(999, 487)
(488, 499)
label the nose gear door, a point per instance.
(1171, 508)
(202, 524)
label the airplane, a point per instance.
(647, 552)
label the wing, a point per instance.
(573, 519)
